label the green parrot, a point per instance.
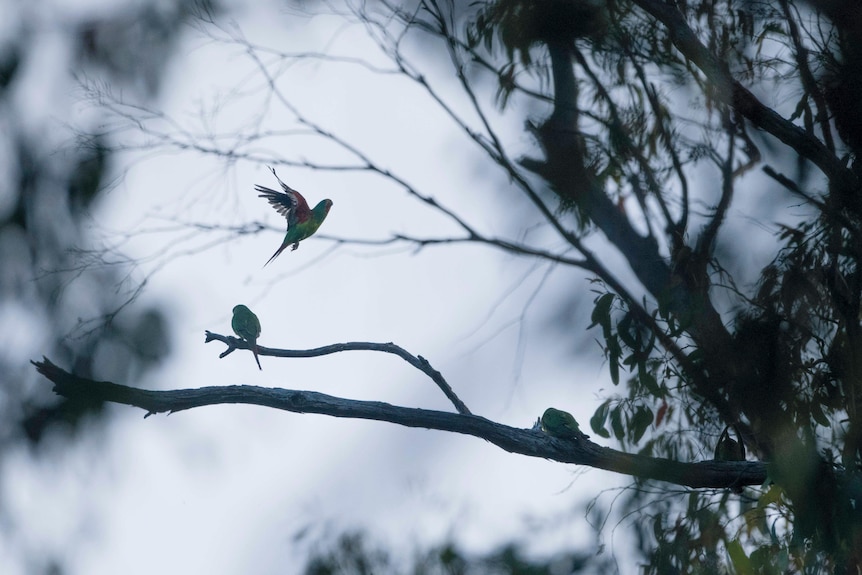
(246, 325)
(302, 222)
(561, 424)
(728, 449)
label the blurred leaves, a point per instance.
(352, 553)
(56, 298)
(51, 281)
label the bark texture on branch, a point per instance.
(529, 442)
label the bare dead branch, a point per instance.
(529, 442)
(368, 164)
(487, 138)
(416, 361)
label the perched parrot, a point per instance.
(727, 449)
(302, 222)
(561, 424)
(246, 325)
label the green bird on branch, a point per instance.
(561, 424)
(246, 325)
(302, 222)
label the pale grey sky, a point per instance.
(222, 490)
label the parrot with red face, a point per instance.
(302, 221)
(246, 325)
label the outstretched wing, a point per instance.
(289, 203)
(284, 204)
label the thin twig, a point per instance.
(416, 361)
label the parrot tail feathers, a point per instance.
(275, 255)
(257, 359)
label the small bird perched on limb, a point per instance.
(302, 222)
(561, 424)
(728, 449)
(246, 325)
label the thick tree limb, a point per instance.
(529, 442)
(416, 361)
(703, 322)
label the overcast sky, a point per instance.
(223, 490)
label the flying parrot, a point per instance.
(246, 325)
(561, 424)
(302, 222)
(727, 449)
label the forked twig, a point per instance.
(416, 361)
